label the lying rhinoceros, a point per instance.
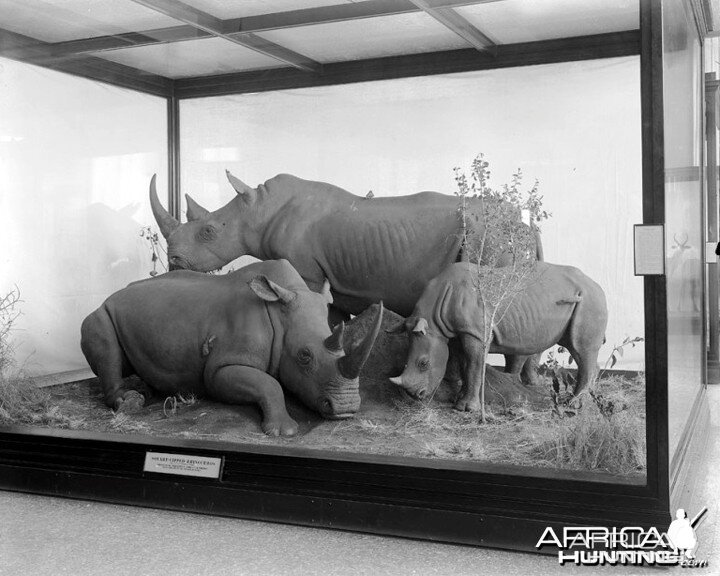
(236, 338)
(560, 305)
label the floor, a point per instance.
(50, 536)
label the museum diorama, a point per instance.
(433, 268)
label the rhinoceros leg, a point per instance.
(246, 385)
(469, 400)
(587, 369)
(454, 370)
(102, 350)
(524, 366)
(529, 372)
(514, 364)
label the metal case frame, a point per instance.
(497, 507)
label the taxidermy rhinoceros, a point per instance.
(370, 249)
(561, 305)
(236, 338)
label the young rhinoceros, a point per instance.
(235, 338)
(560, 305)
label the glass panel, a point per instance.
(683, 96)
(712, 278)
(78, 222)
(193, 58)
(513, 21)
(369, 38)
(60, 20)
(577, 132)
(712, 55)
(75, 161)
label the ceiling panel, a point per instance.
(193, 58)
(60, 20)
(513, 21)
(368, 38)
(227, 9)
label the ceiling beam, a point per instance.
(216, 27)
(44, 53)
(91, 67)
(592, 47)
(457, 23)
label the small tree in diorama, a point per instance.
(504, 246)
(8, 316)
(158, 253)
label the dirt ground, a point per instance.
(382, 404)
(525, 432)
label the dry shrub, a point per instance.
(8, 315)
(607, 433)
(21, 401)
(593, 442)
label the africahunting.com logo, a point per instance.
(593, 546)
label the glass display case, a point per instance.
(367, 265)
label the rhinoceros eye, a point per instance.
(423, 364)
(304, 356)
(206, 233)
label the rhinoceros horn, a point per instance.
(194, 210)
(334, 342)
(239, 186)
(165, 220)
(351, 364)
(326, 291)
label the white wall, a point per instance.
(574, 126)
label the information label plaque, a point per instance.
(649, 240)
(183, 465)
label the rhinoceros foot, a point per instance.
(467, 404)
(130, 402)
(280, 426)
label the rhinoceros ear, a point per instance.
(269, 291)
(397, 328)
(421, 326)
(242, 189)
(194, 210)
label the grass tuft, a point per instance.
(607, 433)
(121, 422)
(22, 402)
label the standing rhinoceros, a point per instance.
(561, 305)
(236, 338)
(370, 249)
